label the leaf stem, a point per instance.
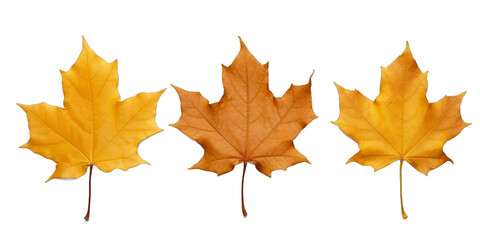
(243, 177)
(87, 216)
(404, 215)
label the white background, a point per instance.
(183, 43)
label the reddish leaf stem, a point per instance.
(243, 177)
(404, 215)
(87, 217)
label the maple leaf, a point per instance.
(248, 124)
(400, 124)
(94, 128)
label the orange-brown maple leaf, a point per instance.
(248, 124)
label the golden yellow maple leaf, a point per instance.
(400, 124)
(249, 124)
(95, 127)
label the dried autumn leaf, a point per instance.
(400, 124)
(95, 127)
(248, 124)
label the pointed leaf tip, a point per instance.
(339, 88)
(311, 75)
(241, 41)
(162, 91)
(176, 88)
(242, 44)
(407, 48)
(85, 44)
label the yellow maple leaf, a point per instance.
(95, 127)
(400, 124)
(249, 124)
